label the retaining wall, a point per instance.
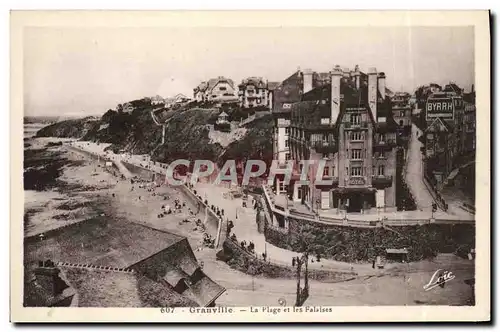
(361, 241)
(246, 262)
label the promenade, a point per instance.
(244, 219)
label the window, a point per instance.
(286, 143)
(287, 131)
(356, 171)
(287, 156)
(222, 88)
(355, 118)
(381, 169)
(356, 154)
(326, 171)
(356, 136)
(301, 166)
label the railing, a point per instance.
(382, 179)
(375, 222)
(326, 147)
(350, 125)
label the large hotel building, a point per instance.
(344, 118)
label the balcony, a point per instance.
(333, 179)
(385, 143)
(325, 147)
(385, 180)
(361, 125)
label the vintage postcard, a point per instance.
(250, 166)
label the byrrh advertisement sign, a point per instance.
(440, 107)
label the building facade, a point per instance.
(401, 109)
(346, 122)
(450, 136)
(218, 89)
(253, 92)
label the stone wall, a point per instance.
(357, 244)
(246, 262)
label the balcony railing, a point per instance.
(382, 179)
(334, 179)
(350, 125)
(326, 147)
(385, 143)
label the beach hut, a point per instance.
(398, 255)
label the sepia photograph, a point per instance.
(256, 169)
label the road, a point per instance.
(414, 173)
(402, 286)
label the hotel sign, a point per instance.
(356, 181)
(443, 108)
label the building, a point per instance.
(222, 118)
(218, 89)
(282, 97)
(178, 99)
(253, 92)
(401, 113)
(401, 109)
(450, 136)
(345, 120)
(157, 100)
(119, 252)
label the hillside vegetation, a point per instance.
(186, 133)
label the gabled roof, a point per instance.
(438, 121)
(272, 85)
(214, 81)
(256, 81)
(223, 114)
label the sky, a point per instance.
(86, 71)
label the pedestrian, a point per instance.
(293, 261)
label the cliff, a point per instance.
(187, 131)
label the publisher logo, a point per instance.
(439, 278)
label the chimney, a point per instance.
(336, 75)
(346, 73)
(372, 91)
(308, 80)
(357, 77)
(381, 84)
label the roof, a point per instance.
(204, 291)
(102, 242)
(214, 81)
(272, 85)
(175, 275)
(317, 103)
(288, 92)
(257, 81)
(223, 114)
(447, 125)
(98, 288)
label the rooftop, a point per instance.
(96, 288)
(101, 242)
